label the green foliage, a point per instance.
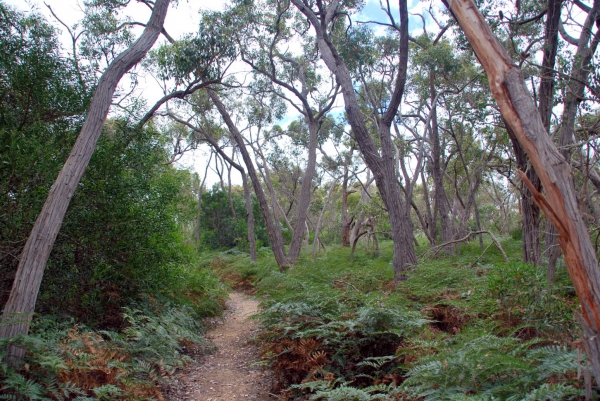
(62, 363)
(347, 393)
(201, 57)
(124, 233)
(42, 101)
(219, 229)
(524, 296)
(122, 261)
(490, 367)
(336, 330)
(105, 33)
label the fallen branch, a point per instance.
(438, 248)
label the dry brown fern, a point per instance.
(295, 360)
(90, 363)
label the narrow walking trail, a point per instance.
(228, 374)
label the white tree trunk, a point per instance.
(21, 303)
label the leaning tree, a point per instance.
(560, 203)
(20, 306)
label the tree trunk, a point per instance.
(218, 171)
(530, 212)
(229, 196)
(275, 237)
(560, 204)
(346, 221)
(19, 309)
(575, 94)
(200, 191)
(345, 218)
(382, 166)
(405, 257)
(304, 198)
(238, 167)
(356, 235)
(546, 94)
(440, 200)
(431, 231)
(320, 221)
(250, 218)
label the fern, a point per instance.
(17, 384)
(347, 393)
(490, 367)
(547, 391)
(79, 363)
(107, 392)
(376, 362)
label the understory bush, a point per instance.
(479, 365)
(314, 340)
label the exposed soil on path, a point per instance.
(228, 374)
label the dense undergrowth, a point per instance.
(122, 296)
(70, 361)
(456, 330)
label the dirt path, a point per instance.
(227, 374)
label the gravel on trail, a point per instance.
(230, 373)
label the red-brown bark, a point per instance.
(560, 205)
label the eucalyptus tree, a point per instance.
(265, 45)
(523, 33)
(578, 76)
(376, 70)
(441, 79)
(328, 23)
(319, 224)
(192, 63)
(434, 67)
(189, 66)
(19, 309)
(271, 221)
(474, 162)
(347, 176)
(204, 129)
(560, 203)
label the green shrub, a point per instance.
(524, 296)
(339, 330)
(220, 229)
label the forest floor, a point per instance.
(230, 372)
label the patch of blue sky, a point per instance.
(372, 11)
(287, 119)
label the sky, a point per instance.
(181, 19)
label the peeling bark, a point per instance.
(560, 205)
